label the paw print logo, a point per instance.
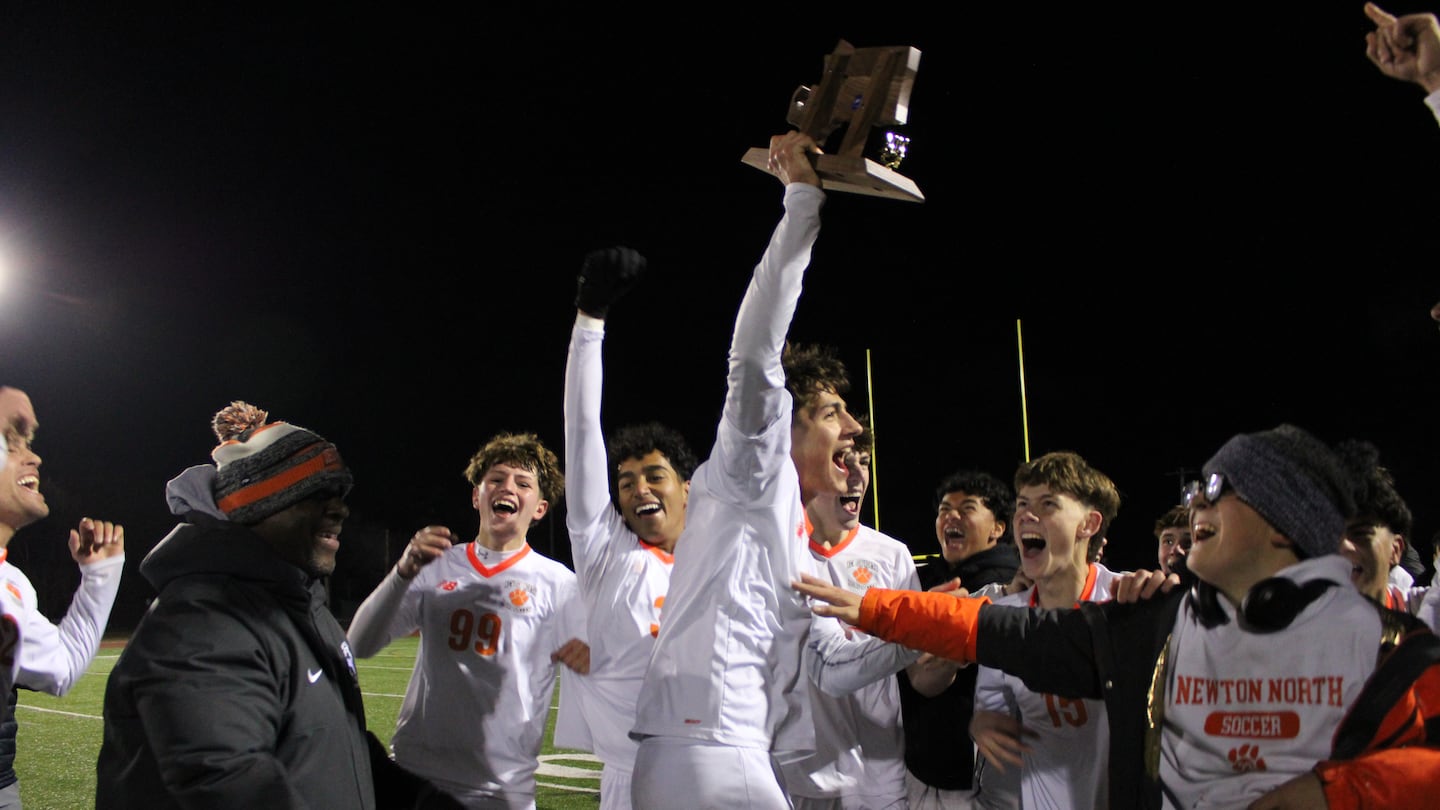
(1247, 758)
(519, 597)
(449, 585)
(863, 576)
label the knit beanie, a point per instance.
(273, 467)
(1294, 481)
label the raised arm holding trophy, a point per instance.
(862, 88)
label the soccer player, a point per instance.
(623, 544)
(859, 757)
(1056, 745)
(491, 616)
(722, 690)
(36, 653)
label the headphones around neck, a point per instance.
(1271, 605)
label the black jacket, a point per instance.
(938, 751)
(237, 690)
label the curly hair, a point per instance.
(991, 491)
(638, 441)
(1377, 501)
(1068, 473)
(519, 450)
(811, 371)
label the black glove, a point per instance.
(606, 275)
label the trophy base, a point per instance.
(856, 175)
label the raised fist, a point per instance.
(606, 275)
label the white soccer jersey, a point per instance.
(623, 580)
(475, 710)
(1066, 766)
(1246, 712)
(726, 666)
(859, 746)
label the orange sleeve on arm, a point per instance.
(1394, 778)
(937, 623)
(1402, 775)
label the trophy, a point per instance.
(862, 88)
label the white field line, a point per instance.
(57, 711)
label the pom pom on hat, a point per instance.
(236, 418)
(269, 468)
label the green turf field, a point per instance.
(60, 737)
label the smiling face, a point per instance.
(821, 433)
(20, 500)
(1232, 547)
(1372, 551)
(508, 500)
(856, 485)
(965, 526)
(1052, 531)
(307, 534)
(652, 498)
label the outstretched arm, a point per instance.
(936, 623)
(757, 380)
(604, 277)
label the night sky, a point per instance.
(368, 222)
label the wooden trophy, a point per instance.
(862, 88)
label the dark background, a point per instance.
(1207, 219)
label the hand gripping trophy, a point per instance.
(862, 88)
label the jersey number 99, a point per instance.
(482, 632)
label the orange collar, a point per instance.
(819, 548)
(1085, 592)
(504, 564)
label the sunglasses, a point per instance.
(1210, 489)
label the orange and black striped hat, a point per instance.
(272, 467)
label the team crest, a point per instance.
(519, 596)
(860, 575)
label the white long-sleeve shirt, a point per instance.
(53, 657)
(623, 580)
(726, 665)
